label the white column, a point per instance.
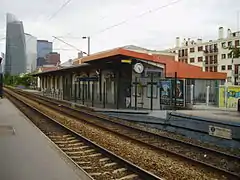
(226, 95)
(207, 95)
(191, 93)
(60, 83)
(56, 79)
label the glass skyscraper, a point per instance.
(15, 56)
(44, 47)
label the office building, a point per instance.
(44, 47)
(53, 58)
(212, 55)
(31, 52)
(15, 59)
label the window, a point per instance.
(179, 53)
(229, 43)
(139, 90)
(206, 69)
(192, 60)
(191, 49)
(206, 47)
(211, 69)
(215, 57)
(200, 48)
(223, 67)
(200, 59)
(155, 90)
(229, 79)
(206, 59)
(215, 68)
(237, 43)
(237, 68)
(229, 55)
(229, 67)
(186, 52)
(223, 56)
(215, 48)
(215, 61)
(186, 61)
(224, 44)
(211, 59)
(210, 47)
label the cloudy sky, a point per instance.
(146, 22)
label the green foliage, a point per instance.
(25, 80)
(235, 51)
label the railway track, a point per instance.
(226, 164)
(96, 161)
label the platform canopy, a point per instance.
(166, 60)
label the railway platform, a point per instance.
(26, 153)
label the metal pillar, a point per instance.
(93, 94)
(191, 93)
(135, 93)
(151, 102)
(207, 95)
(175, 90)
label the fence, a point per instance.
(157, 93)
(206, 95)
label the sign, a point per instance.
(126, 61)
(229, 96)
(168, 92)
(220, 132)
(87, 79)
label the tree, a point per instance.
(25, 80)
(235, 51)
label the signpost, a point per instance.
(220, 132)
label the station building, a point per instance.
(130, 78)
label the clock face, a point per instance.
(138, 67)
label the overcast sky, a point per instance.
(156, 30)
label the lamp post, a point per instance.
(88, 38)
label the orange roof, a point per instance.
(115, 52)
(183, 70)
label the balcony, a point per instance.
(211, 51)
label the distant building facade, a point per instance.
(213, 55)
(53, 58)
(15, 59)
(2, 64)
(44, 47)
(31, 53)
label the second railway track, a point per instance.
(225, 163)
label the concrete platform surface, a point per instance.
(214, 115)
(25, 152)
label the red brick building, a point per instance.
(53, 58)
